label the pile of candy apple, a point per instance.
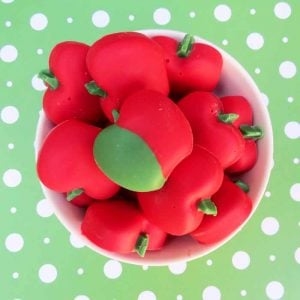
(141, 142)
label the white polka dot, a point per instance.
(162, 16)
(255, 41)
(8, 23)
(225, 42)
(70, 20)
(290, 99)
(147, 295)
(241, 260)
(268, 194)
(76, 241)
(9, 114)
(39, 51)
(192, 14)
(10, 146)
(7, 1)
(15, 275)
(285, 39)
(177, 268)
(243, 293)
(14, 242)
(297, 255)
(252, 11)
(292, 130)
(295, 191)
(13, 210)
(46, 240)
(270, 226)
(272, 257)
(12, 177)
(131, 17)
(81, 297)
(80, 271)
(145, 267)
(209, 262)
(179, 297)
(38, 84)
(257, 71)
(47, 273)
(287, 69)
(44, 208)
(100, 18)
(38, 22)
(211, 292)
(222, 13)
(265, 99)
(296, 161)
(8, 53)
(282, 10)
(9, 83)
(112, 269)
(274, 290)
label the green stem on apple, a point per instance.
(185, 46)
(48, 77)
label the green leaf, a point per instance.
(94, 89)
(251, 132)
(207, 207)
(243, 185)
(228, 118)
(73, 194)
(127, 160)
(142, 244)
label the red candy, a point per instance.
(66, 163)
(234, 207)
(123, 63)
(150, 127)
(176, 207)
(66, 97)
(197, 68)
(239, 105)
(224, 141)
(119, 226)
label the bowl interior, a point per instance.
(234, 81)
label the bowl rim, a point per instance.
(132, 258)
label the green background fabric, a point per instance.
(38, 257)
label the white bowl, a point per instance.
(234, 81)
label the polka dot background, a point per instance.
(41, 260)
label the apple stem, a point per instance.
(228, 118)
(95, 90)
(115, 115)
(207, 207)
(48, 77)
(251, 132)
(185, 46)
(142, 244)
